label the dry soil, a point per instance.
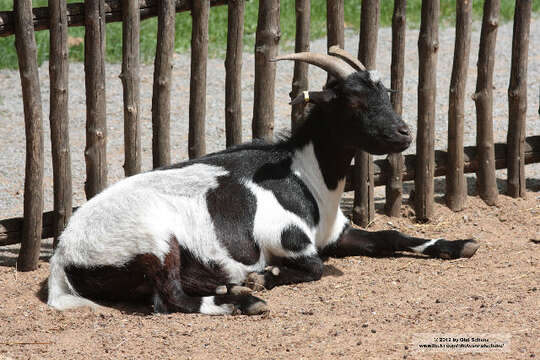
(363, 308)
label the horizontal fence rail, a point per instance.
(75, 14)
(470, 160)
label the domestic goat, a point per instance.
(198, 236)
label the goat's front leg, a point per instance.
(385, 243)
(290, 270)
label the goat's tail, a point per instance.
(62, 296)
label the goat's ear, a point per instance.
(315, 97)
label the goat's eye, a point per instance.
(358, 102)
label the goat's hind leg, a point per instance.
(170, 295)
(385, 243)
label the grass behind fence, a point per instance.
(218, 27)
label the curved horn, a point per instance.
(328, 63)
(345, 56)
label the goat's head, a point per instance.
(363, 112)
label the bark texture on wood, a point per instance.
(197, 93)
(364, 205)
(394, 187)
(300, 76)
(161, 97)
(96, 127)
(25, 43)
(233, 73)
(456, 187)
(483, 97)
(517, 99)
(59, 118)
(335, 25)
(130, 83)
(266, 48)
(428, 44)
(75, 13)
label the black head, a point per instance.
(361, 110)
(357, 104)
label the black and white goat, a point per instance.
(199, 235)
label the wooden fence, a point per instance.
(422, 167)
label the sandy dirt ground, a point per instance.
(363, 308)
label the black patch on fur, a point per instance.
(294, 270)
(267, 165)
(126, 283)
(232, 208)
(200, 279)
(291, 193)
(294, 239)
(168, 285)
(175, 284)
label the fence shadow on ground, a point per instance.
(8, 254)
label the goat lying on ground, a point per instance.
(199, 235)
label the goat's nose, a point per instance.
(404, 130)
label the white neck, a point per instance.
(332, 220)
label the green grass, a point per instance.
(218, 27)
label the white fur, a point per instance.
(139, 214)
(210, 308)
(374, 76)
(420, 248)
(61, 295)
(332, 220)
(270, 221)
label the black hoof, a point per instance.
(245, 304)
(445, 249)
(469, 248)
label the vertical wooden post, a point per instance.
(233, 73)
(364, 206)
(456, 187)
(266, 48)
(300, 77)
(94, 68)
(428, 45)
(200, 10)
(483, 97)
(130, 83)
(517, 100)
(161, 97)
(335, 25)
(25, 43)
(58, 118)
(394, 186)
